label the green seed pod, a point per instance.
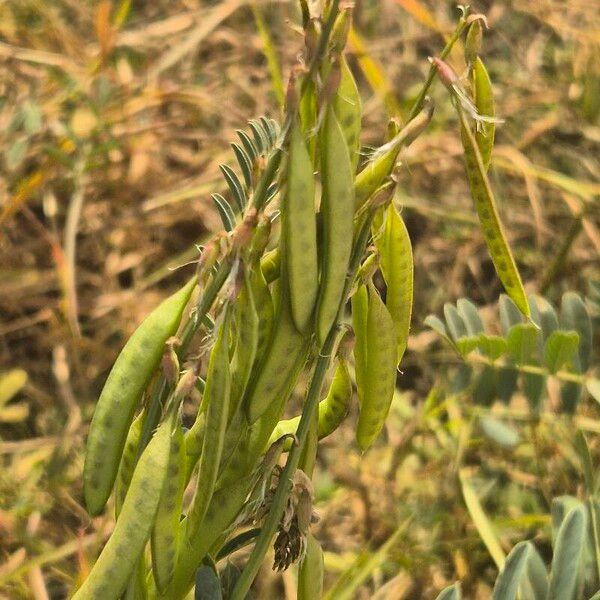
(246, 342)
(276, 368)
(163, 540)
(483, 97)
(337, 208)
(122, 392)
(380, 374)
(215, 403)
(127, 463)
(310, 573)
(348, 110)
(483, 197)
(111, 572)
(360, 303)
(299, 228)
(270, 265)
(473, 42)
(397, 268)
(332, 409)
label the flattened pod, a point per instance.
(332, 409)
(485, 204)
(380, 376)
(397, 267)
(299, 226)
(337, 208)
(216, 400)
(360, 303)
(111, 572)
(264, 308)
(310, 573)
(128, 461)
(348, 110)
(163, 540)
(247, 327)
(277, 367)
(484, 101)
(122, 391)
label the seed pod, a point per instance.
(127, 463)
(111, 572)
(277, 367)
(121, 393)
(473, 42)
(380, 374)
(484, 101)
(299, 230)
(483, 197)
(163, 540)
(348, 110)
(270, 265)
(332, 409)
(247, 328)
(310, 573)
(337, 208)
(397, 268)
(360, 303)
(215, 403)
(263, 303)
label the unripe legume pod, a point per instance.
(127, 463)
(215, 402)
(276, 368)
(310, 573)
(484, 101)
(246, 342)
(360, 304)
(332, 409)
(163, 540)
(121, 393)
(337, 208)
(299, 227)
(380, 375)
(483, 197)
(397, 268)
(112, 570)
(348, 109)
(263, 303)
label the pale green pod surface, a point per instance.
(127, 463)
(216, 400)
(493, 233)
(122, 392)
(484, 101)
(308, 116)
(310, 573)
(380, 376)
(397, 267)
(337, 208)
(332, 409)
(360, 303)
(348, 110)
(163, 540)
(299, 227)
(277, 366)
(263, 304)
(246, 343)
(270, 265)
(111, 572)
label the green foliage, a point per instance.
(527, 353)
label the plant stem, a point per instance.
(312, 400)
(462, 23)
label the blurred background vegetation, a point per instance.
(114, 118)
